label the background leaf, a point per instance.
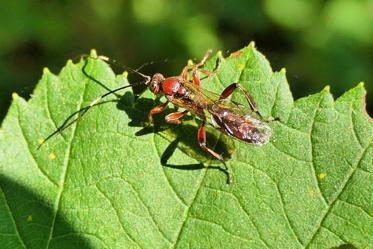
(101, 184)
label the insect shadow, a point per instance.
(183, 136)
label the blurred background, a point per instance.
(319, 42)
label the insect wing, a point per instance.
(235, 119)
(202, 94)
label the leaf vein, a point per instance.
(313, 164)
(332, 203)
(47, 108)
(191, 203)
(166, 177)
(41, 170)
(281, 200)
(222, 227)
(117, 215)
(288, 154)
(352, 115)
(276, 95)
(337, 235)
(357, 206)
(17, 234)
(291, 225)
(187, 211)
(148, 211)
(251, 220)
(82, 234)
(65, 166)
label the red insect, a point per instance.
(228, 116)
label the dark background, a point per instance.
(318, 42)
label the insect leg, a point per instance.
(174, 118)
(229, 90)
(202, 143)
(195, 78)
(204, 59)
(155, 110)
(184, 72)
(207, 72)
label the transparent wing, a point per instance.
(201, 94)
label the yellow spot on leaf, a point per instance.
(29, 218)
(40, 140)
(51, 156)
(311, 191)
(322, 176)
(241, 66)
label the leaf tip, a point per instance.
(125, 74)
(252, 44)
(361, 84)
(190, 62)
(69, 62)
(15, 96)
(46, 70)
(326, 89)
(93, 53)
(283, 70)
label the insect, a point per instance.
(228, 116)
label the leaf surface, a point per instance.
(111, 182)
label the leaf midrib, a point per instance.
(66, 165)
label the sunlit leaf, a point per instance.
(110, 181)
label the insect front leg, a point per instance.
(230, 89)
(174, 118)
(184, 72)
(158, 109)
(202, 143)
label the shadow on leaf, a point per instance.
(31, 221)
(183, 136)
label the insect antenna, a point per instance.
(71, 120)
(90, 76)
(136, 71)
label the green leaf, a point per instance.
(110, 182)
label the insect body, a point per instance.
(229, 117)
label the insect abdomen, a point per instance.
(245, 128)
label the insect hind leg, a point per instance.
(203, 145)
(230, 89)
